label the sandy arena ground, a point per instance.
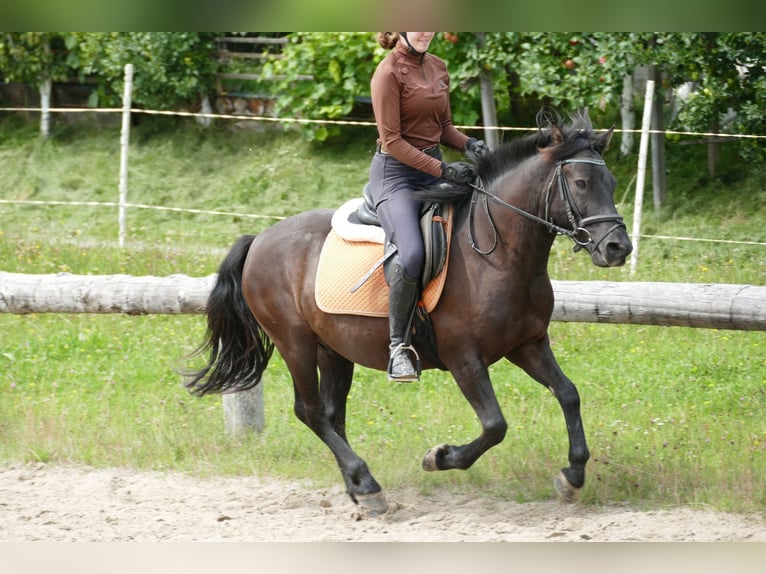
(80, 504)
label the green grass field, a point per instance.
(674, 416)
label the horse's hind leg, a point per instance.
(336, 375)
(537, 359)
(322, 408)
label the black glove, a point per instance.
(458, 172)
(477, 147)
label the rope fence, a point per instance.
(280, 217)
(127, 110)
(361, 123)
(141, 206)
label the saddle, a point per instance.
(432, 228)
(350, 276)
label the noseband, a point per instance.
(578, 233)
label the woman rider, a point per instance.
(410, 100)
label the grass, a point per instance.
(674, 416)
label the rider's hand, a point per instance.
(479, 148)
(458, 172)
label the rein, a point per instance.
(579, 234)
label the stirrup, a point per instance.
(406, 378)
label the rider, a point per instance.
(410, 100)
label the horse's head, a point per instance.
(580, 191)
(577, 198)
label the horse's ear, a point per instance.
(557, 135)
(548, 118)
(601, 143)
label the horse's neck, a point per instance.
(536, 236)
(522, 243)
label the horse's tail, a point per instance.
(239, 349)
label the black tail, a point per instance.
(239, 349)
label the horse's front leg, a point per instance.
(473, 379)
(537, 359)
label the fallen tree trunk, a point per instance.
(714, 306)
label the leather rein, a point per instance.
(578, 233)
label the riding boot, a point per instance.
(403, 292)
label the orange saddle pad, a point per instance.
(342, 264)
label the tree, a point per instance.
(727, 72)
(39, 59)
(568, 71)
(172, 69)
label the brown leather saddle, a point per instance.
(435, 239)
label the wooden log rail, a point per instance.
(706, 305)
(713, 306)
(68, 293)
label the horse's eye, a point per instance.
(580, 183)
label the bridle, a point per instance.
(578, 233)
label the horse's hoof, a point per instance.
(567, 492)
(372, 504)
(430, 462)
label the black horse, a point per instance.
(553, 181)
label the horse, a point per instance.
(552, 181)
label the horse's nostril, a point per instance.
(617, 249)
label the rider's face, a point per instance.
(420, 40)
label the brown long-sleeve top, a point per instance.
(410, 100)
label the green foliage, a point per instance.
(728, 73)
(566, 70)
(31, 57)
(569, 71)
(171, 69)
(340, 65)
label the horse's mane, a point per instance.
(578, 135)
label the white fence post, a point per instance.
(46, 87)
(124, 141)
(641, 176)
(243, 411)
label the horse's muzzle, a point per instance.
(613, 250)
